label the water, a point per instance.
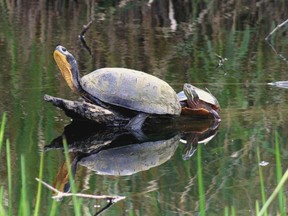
(177, 42)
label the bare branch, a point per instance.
(272, 47)
(275, 29)
(82, 37)
(60, 194)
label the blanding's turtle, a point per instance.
(120, 88)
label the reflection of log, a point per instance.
(87, 111)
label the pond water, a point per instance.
(179, 42)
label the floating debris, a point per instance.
(263, 163)
(280, 84)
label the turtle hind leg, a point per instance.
(136, 123)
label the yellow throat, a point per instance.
(65, 68)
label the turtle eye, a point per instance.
(64, 50)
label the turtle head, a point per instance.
(68, 67)
(191, 94)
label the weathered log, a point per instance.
(81, 110)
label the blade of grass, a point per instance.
(200, 182)
(24, 205)
(279, 174)
(233, 211)
(226, 211)
(9, 177)
(274, 194)
(2, 210)
(2, 128)
(257, 207)
(39, 190)
(262, 185)
(53, 210)
(76, 201)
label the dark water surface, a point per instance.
(177, 42)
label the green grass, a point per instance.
(2, 128)
(9, 173)
(262, 186)
(2, 210)
(279, 175)
(278, 191)
(39, 190)
(26, 205)
(200, 182)
(76, 201)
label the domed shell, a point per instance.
(133, 158)
(132, 89)
(203, 96)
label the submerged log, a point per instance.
(81, 110)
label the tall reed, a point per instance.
(262, 185)
(9, 174)
(39, 189)
(2, 128)
(200, 182)
(76, 201)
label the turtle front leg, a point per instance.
(215, 115)
(136, 123)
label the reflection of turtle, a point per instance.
(120, 89)
(192, 138)
(130, 159)
(113, 151)
(197, 102)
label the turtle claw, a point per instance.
(215, 115)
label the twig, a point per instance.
(272, 47)
(85, 28)
(60, 194)
(82, 37)
(275, 29)
(110, 203)
(275, 51)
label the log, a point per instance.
(82, 110)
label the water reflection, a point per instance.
(279, 84)
(118, 152)
(192, 139)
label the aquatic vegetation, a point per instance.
(2, 129)
(25, 205)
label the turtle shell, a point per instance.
(133, 90)
(203, 96)
(133, 158)
(197, 111)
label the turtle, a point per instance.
(121, 89)
(197, 102)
